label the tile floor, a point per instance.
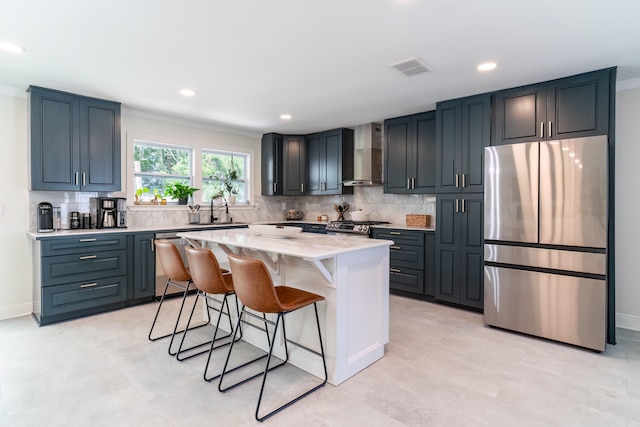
(442, 367)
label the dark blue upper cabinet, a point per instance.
(330, 161)
(463, 129)
(409, 155)
(272, 164)
(75, 142)
(572, 107)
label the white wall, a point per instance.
(15, 247)
(627, 208)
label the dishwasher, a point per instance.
(161, 278)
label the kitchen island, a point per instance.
(351, 273)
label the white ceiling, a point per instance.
(326, 62)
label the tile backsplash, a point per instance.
(380, 206)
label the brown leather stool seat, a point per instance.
(178, 277)
(256, 291)
(210, 280)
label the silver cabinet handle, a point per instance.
(89, 257)
(152, 245)
(88, 240)
(302, 187)
(76, 178)
(457, 180)
(84, 179)
(462, 205)
(408, 183)
(88, 285)
(395, 270)
(464, 180)
(457, 205)
(541, 129)
(395, 233)
(394, 247)
(550, 129)
(413, 183)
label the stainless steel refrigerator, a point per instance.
(545, 236)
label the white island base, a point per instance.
(351, 273)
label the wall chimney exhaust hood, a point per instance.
(367, 167)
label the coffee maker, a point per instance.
(45, 217)
(110, 212)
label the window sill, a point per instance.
(174, 207)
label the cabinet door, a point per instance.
(398, 149)
(55, 140)
(333, 146)
(472, 251)
(578, 106)
(519, 114)
(429, 263)
(447, 264)
(316, 162)
(144, 265)
(271, 165)
(99, 145)
(424, 157)
(476, 135)
(294, 167)
(448, 140)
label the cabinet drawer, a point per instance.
(315, 228)
(82, 244)
(406, 279)
(409, 256)
(400, 237)
(77, 296)
(85, 267)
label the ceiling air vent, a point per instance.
(411, 67)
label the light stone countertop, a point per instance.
(160, 228)
(310, 246)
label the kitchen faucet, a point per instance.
(213, 218)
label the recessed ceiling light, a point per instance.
(10, 47)
(187, 92)
(285, 116)
(487, 66)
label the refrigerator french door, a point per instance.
(545, 239)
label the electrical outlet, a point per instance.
(284, 206)
(430, 208)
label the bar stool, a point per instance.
(256, 291)
(210, 280)
(179, 277)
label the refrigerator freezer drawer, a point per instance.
(562, 308)
(556, 259)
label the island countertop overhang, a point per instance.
(310, 246)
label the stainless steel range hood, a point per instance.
(367, 167)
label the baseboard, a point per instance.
(17, 310)
(627, 321)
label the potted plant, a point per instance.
(226, 187)
(142, 197)
(180, 191)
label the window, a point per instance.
(224, 174)
(158, 165)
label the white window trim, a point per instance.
(196, 146)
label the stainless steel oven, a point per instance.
(353, 228)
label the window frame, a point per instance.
(197, 147)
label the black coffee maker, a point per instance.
(107, 211)
(45, 217)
